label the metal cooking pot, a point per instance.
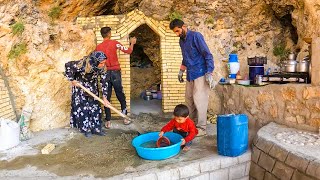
(148, 97)
(148, 93)
(258, 79)
(310, 70)
(303, 66)
(290, 66)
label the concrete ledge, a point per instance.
(213, 167)
(285, 153)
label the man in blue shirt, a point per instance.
(198, 61)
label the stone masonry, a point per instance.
(122, 25)
(214, 167)
(294, 105)
(274, 158)
(6, 105)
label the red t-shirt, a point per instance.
(187, 126)
(110, 47)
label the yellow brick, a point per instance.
(5, 108)
(10, 116)
(4, 104)
(5, 113)
(4, 99)
(124, 34)
(121, 29)
(151, 24)
(131, 13)
(48, 148)
(138, 18)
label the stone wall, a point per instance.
(274, 159)
(170, 53)
(295, 105)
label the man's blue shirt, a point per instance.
(196, 55)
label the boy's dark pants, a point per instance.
(183, 134)
(115, 81)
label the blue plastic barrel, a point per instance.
(232, 134)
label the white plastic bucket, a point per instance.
(9, 134)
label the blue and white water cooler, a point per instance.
(233, 65)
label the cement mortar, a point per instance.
(77, 156)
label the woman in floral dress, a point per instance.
(85, 110)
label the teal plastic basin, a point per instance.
(157, 153)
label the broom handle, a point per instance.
(100, 100)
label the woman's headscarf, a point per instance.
(90, 63)
(95, 58)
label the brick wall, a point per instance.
(122, 26)
(6, 107)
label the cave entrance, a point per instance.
(145, 68)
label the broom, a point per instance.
(138, 127)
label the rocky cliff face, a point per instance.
(36, 76)
(247, 27)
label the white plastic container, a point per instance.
(233, 66)
(9, 134)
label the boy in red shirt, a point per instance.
(183, 125)
(113, 74)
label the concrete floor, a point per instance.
(139, 105)
(26, 161)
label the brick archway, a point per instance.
(170, 53)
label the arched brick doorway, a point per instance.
(170, 53)
(145, 62)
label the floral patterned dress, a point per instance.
(85, 110)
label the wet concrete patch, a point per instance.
(99, 156)
(76, 155)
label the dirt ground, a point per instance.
(76, 155)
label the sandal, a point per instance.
(126, 122)
(201, 132)
(107, 125)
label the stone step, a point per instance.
(286, 153)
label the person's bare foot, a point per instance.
(108, 124)
(186, 148)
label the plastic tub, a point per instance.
(157, 153)
(232, 134)
(154, 95)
